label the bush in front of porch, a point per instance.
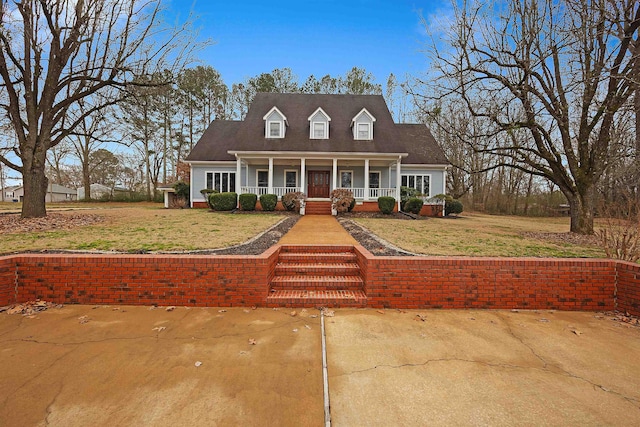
(248, 201)
(268, 202)
(342, 200)
(386, 204)
(223, 201)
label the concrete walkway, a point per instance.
(317, 230)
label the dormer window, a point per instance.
(319, 124)
(362, 125)
(275, 124)
(319, 130)
(274, 130)
(364, 131)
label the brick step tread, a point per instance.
(317, 282)
(326, 298)
(318, 278)
(318, 256)
(315, 249)
(316, 270)
(294, 265)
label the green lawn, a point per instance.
(482, 235)
(138, 227)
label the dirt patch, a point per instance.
(13, 223)
(565, 238)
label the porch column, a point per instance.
(366, 180)
(303, 174)
(270, 182)
(335, 174)
(398, 183)
(238, 175)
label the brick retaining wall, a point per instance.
(628, 287)
(504, 283)
(7, 280)
(392, 282)
(222, 281)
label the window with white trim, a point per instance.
(221, 181)
(262, 178)
(362, 125)
(275, 123)
(319, 130)
(364, 131)
(374, 179)
(274, 129)
(422, 183)
(319, 124)
(346, 179)
(291, 178)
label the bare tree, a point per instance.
(559, 70)
(55, 53)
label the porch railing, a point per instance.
(374, 193)
(278, 191)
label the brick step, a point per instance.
(353, 283)
(311, 298)
(318, 208)
(316, 269)
(315, 249)
(328, 257)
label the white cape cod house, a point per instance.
(315, 143)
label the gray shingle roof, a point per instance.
(249, 135)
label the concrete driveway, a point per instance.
(83, 365)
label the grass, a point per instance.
(142, 227)
(480, 235)
(136, 227)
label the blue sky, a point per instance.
(312, 37)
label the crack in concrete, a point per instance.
(155, 336)
(562, 372)
(49, 409)
(521, 341)
(36, 375)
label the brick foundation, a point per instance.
(391, 282)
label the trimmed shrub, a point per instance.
(386, 204)
(406, 193)
(268, 202)
(413, 205)
(291, 201)
(206, 192)
(341, 199)
(223, 201)
(453, 206)
(248, 201)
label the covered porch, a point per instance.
(367, 175)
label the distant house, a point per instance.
(99, 191)
(315, 143)
(55, 193)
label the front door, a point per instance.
(318, 184)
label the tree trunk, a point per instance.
(86, 181)
(35, 184)
(581, 206)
